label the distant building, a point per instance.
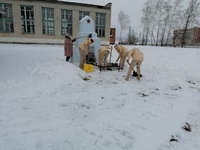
(48, 21)
(192, 36)
(112, 35)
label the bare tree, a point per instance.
(159, 13)
(147, 19)
(124, 21)
(164, 16)
(175, 18)
(191, 13)
(131, 36)
(167, 8)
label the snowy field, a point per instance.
(46, 103)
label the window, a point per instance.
(6, 18)
(82, 14)
(27, 19)
(48, 20)
(100, 24)
(66, 22)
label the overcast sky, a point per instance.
(132, 8)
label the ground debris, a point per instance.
(187, 127)
(173, 139)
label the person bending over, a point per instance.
(137, 59)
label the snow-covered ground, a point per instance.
(46, 103)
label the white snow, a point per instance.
(45, 103)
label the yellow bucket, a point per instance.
(88, 68)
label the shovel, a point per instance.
(89, 36)
(134, 73)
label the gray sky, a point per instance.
(132, 8)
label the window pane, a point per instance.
(48, 20)
(6, 21)
(100, 24)
(27, 19)
(82, 14)
(66, 22)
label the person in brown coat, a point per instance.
(137, 59)
(103, 53)
(68, 47)
(83, 49)
(123, 53)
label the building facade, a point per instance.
(48, 21)
(192, 37)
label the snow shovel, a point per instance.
(89, 36)
(134, 73)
